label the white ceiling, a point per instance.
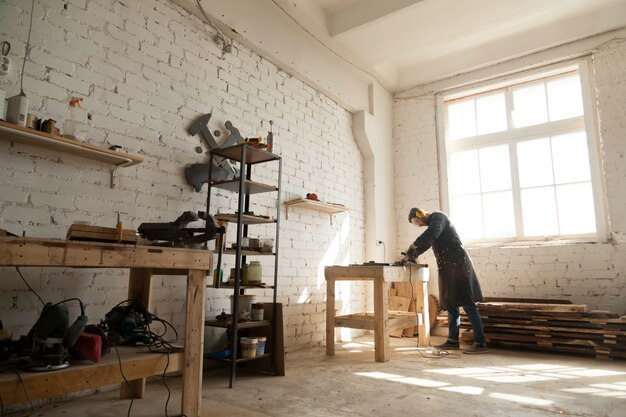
(409, 42)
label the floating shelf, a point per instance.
(15, 133)
(329, 208)
(245, 218)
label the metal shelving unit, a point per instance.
(246, 156)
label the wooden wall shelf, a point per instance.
(329, 208)
(15, 133)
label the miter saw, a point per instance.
(51, 337)
(177, 233)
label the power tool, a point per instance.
(51, 337)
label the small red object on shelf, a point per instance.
(311, 196)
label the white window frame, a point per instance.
(588, 120)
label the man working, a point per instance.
(458, 283)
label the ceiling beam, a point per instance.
(363, 12)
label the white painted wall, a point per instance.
(594, 274)
(146, 69)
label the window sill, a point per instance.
(534, 243)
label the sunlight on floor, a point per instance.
(520, 399)
(513, 374)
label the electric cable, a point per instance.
(29, 287)
(130, 387)
(428, 354)
(169, 392)
(32, 406)
(30, 28)
(156, 343)
(227, 43)
(340, 56)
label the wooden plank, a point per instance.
(363, 321)
(194, 343)
(330, 316)
(51, 252)
(509, 306)
(136, 363)
(99, 233)
(527, 300)
(381, 320)
(397, 303)
(15, 133)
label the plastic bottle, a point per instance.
(69, 125)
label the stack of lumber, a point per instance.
(551, 325)
(401, 298)
(78, 231)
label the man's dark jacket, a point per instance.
(458, 283)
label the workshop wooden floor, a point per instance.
(501, 383)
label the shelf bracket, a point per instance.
(114, 168)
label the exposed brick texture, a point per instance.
(146, 69)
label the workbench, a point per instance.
(143, 262)
(381, 320)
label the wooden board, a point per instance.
(100, 234)
(399, 304)
(552, 327)
(136, 363)
(69, 253)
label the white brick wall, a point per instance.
(594, 274)
(146, 69)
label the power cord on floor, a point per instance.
(130, 387)
(426, 353)
(32, 406)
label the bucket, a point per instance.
(257, 311)
(245, 303)
(260, 349)
(249, 346)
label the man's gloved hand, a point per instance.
(411, 252)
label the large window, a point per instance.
(521, 159)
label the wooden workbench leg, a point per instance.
(330, 316)
(381, 320)
(194, 343)
(139, 288)
(423, 328)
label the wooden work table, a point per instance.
(381, 321)
(143, 262)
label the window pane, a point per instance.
(490, 114)
(565, 98)
(467, 216)
(576, 211)
(529, 105)
(464, 175)
(535, 163)
(499, 214)
(461, 119)
(495, 168)
(539, 212)
(571, 158)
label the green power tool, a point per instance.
(52, 336)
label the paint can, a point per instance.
(248, 346)
(245, 304)
(260, 349)
(257, 311)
